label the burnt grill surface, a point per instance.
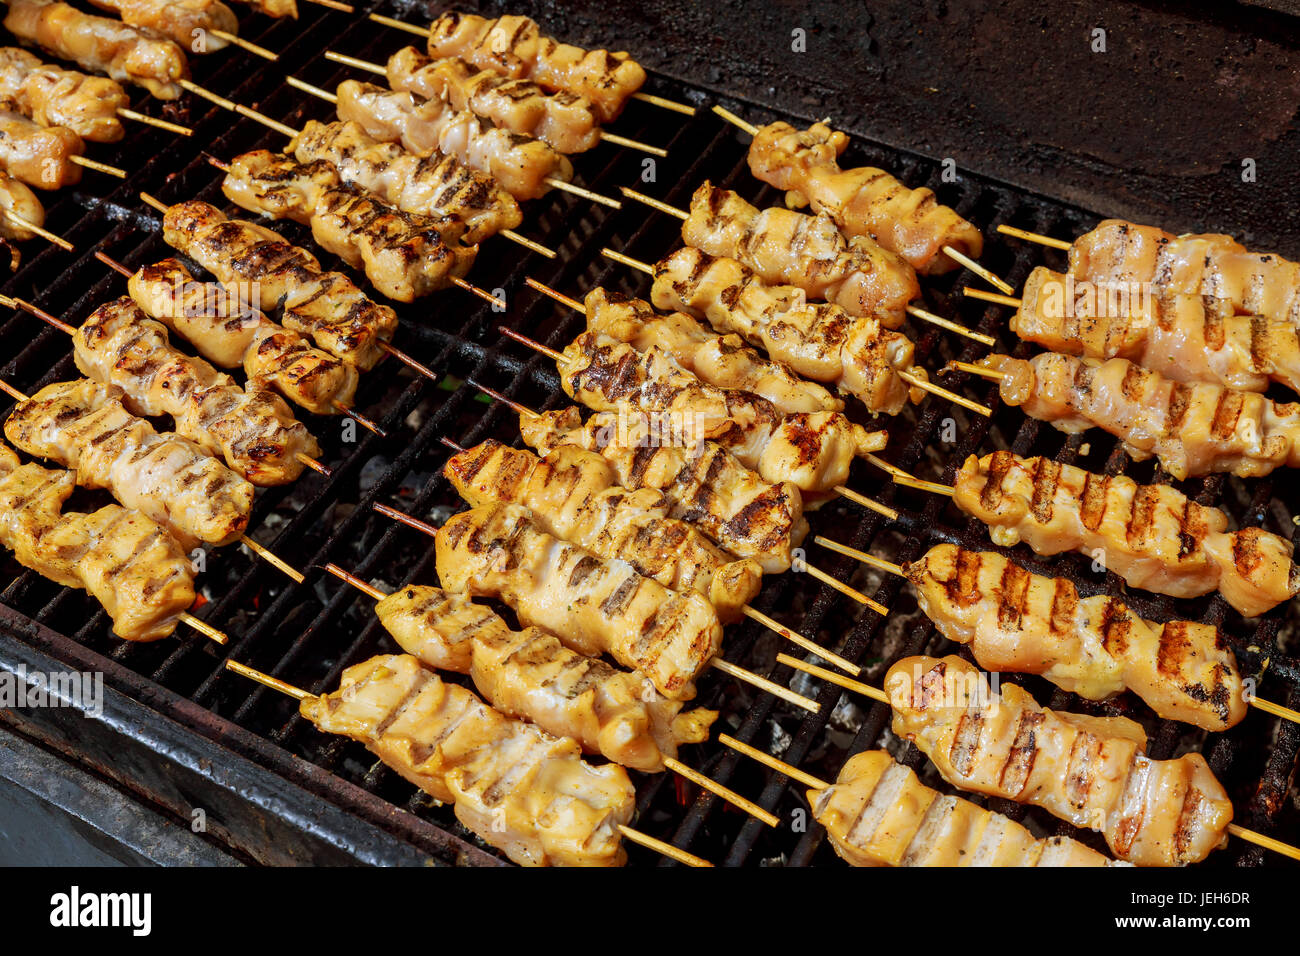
(308, 633)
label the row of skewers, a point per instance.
(590, 367)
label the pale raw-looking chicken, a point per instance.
(817, 340)
(101, 45)
(228, 332)
(131, 565)
(521, 790)
(428, 127)
(1194, 429)
(1187, 338)
(530, 674)
(574, 495)
(1152, 536)
(251, 429)
(721, 360)
(596, 606)
(53, 96)
(1092, 772)
(189, 23)
(811, 450)
(84, 426)
(433, 185)
(562, 120)
(863, 202)
(37, 155)
(1215, 266)
(514, 46)
(262, 268)
(1095, 647)
(404, 255)
(708, 487)
(879, 813)
(785, 247)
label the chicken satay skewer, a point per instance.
(635, 836)
(381, 70)
(838, 214)
(62, 326)
(660, 101)
(908, 377)
(554, 182)
(740, 673)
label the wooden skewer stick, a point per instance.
(717, 662)
(650, 98)
(59, 324)
(98, 166)
(204, 628)
(735, 120)
(794, 773)
(382, 70)
(238, 108)
(991, 297)
(243, 44)
(153, 121)
(994, 280)
(1033, 237)
(974, 369)
(335, 5)
(266, 680)
(831, 677)
(927, 316)
(45, 234)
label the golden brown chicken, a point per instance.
(87, 105)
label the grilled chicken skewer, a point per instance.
(405, 255)
(125, 53)
(1194, 429)
(1183, 337)
(515, 47)
(181, 21)
(131, 565)
(90, 106)
(879, 813)
(811, 450)
(47, 157)
(521, 790)
(21, 213)
(863, 202)
(251, 429)
(529, 674)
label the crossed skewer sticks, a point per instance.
(636, 836)
(203, 627)
(954, 254)
(383, 71)
(419, 31)
(913, 380)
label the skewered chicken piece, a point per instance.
(708, 487)
(812, 450)
(261, 267)
(1095, 647)
(1089, 771)
(879, 813)
(515, 47)
(18, 199)
(1152, 536)
(433, 185)
(818, 340)
(428, 127)
(252, 430)
(405, 255)
(809, 252)
(531, 675)
(232, 334)
(85, 427)
(182, 21)
(1193, 429)
(274, 8)
(574, 495)
(595, 606)
(520, 789)
(1215, 266)
(721, 360)
(38, 155)
(133, 567)
(87, 105)
(1182, 337)
(562, 120)
(127, 54)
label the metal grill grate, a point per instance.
(308, 633)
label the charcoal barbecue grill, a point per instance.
(180, 732)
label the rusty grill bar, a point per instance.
(308, 633)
